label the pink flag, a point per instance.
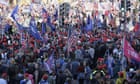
(129, 52)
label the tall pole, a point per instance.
(124, 25)
(58, 15)
(124, 17)
(68, 47)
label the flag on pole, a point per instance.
(89, 25)
(43, 28)
(33, 29)
(56, 14)
(72, 40)
(129, 51)
(50, 62)
(13, 15)
(14, 12)
(45, 15)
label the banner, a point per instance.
(4, 2)
(129, 52)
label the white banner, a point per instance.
(4, 2)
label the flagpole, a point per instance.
(58, 15)
(2, 27)
(68, 35)
(124, 26)
(27, 37)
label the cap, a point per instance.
(100, 59)
(45, 77)
(120, 74)
(4, 75)
(26, 75)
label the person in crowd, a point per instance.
(87, 72)
(60, 78)
(52, 78)
(120, 79)
(74, 68)
(44, 79)
(3, 78)
(125, 82)
(91, 51)
(26, 79)
(78, 53)
(81, 74)
(95, 78)
(26, 58)
(110, 63)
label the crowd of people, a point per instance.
(69, 55)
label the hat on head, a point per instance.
(26, 75)
(4, 75)
(100, 59)
(120, 74)
(45, 77)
